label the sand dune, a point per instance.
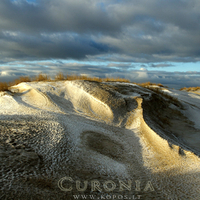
(99, 131)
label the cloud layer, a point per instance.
(171, 79)
(135, 39)
(133, 31)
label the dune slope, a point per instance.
(98, 131)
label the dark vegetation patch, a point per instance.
(162, 113)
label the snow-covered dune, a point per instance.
(99, 131)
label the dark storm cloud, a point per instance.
(55, 16)
(161, 65)
(45, 46)
(129, 30)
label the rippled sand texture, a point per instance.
(98, 131)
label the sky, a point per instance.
(141, 40)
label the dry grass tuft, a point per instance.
(116, 80)
(20, 80)
(42, 77)
(60, 77)
(190, 89)
(147, 84)
(160, 85)
(3, 86)
(76, 77)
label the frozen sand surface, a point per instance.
(104, 131)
